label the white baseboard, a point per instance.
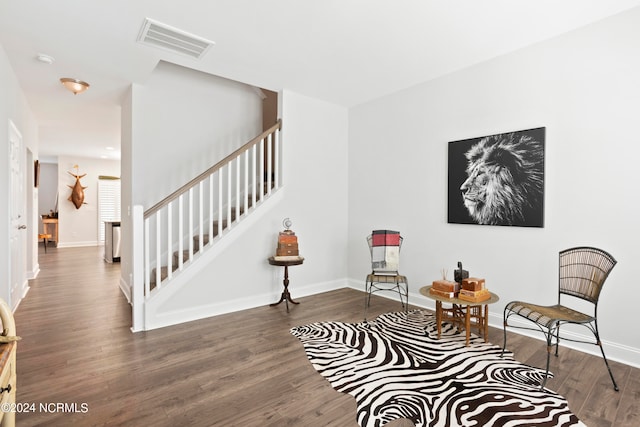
(615, 351)
(78, 244)
(126, 289)
(209, 310)
(24, 290)
(34, 273)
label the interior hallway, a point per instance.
(242, 369)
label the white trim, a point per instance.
(25, 290)
(614, 351)
(239, 304)
(125, 288)
(79, 244)
(34, 273)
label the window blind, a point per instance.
(108, 203)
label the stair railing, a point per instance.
(192, 218)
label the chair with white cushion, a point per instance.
(384, 246)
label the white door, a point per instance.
(18, 220)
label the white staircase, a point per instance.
(175, 234)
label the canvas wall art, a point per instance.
(497, 179)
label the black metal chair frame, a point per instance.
(582, 273)
(389, 281)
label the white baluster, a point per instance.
(261, 150)
(147, 262)
(237, 185)
(180, 232)
(229, 180)
(269, 163)
(220, 205)
(158, 240)
(253, 175)
(190, 230)
(276, 157)
(210, 226)
(245, 196)
(200, 217)
(169, 241)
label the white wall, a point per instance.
(127, 180)
(48, 189)
(79, 227)
(315, 197)
(13, 106)
(185, 121)
(583, 87)
(174, 127)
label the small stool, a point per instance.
(44, 237)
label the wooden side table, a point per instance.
(286, 296)
(50, 226)
(44, 237)
(461, 313)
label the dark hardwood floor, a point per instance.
(241, 369)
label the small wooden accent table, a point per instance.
(44, 237)
(286, 296)
(462, 312)
(50, 226)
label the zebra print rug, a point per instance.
(395, 367)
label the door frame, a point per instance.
(18, 218)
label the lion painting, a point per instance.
(505, 179)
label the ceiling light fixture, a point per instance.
(45, 58)
(74, 85)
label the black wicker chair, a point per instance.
(583, 271)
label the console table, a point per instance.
(286, 296)
(50, 226)
(463, 314)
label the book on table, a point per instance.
(473, 284)
(443, 294)
(474, 296)
(445, 286)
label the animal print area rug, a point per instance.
(395, 367)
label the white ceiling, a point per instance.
(343, 51)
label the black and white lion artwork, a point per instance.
(503, 179)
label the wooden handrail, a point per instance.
(164, 202)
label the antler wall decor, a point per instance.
(77, 190)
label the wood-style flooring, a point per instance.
(240, 369)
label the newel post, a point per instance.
(137, 269)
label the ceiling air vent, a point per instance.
(161, 35)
